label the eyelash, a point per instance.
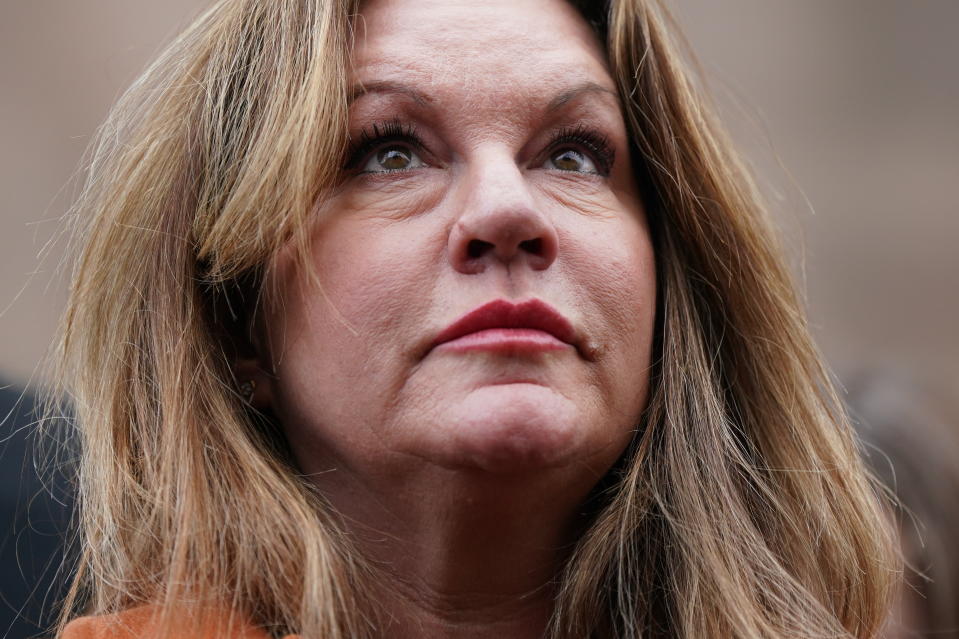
(377, 135)
(381, 133)
(593, 141)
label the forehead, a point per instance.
(485, 51)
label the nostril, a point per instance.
(532, 246)
(476, 248)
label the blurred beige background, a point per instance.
(849, 112)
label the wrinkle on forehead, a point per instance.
(481, 52)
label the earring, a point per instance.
(246, 390)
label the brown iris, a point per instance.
(568, 160)
(394, 158)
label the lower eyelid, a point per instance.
(602, 170)
(414, 153)
(418, 174)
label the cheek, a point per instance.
(359, 332)
(374, 259)
(614, 262)
(368, 278)
(625, 285)
(615, 271)
(350, 337)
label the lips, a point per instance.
(533, 318)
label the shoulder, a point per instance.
(141, 623)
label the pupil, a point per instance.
(567, 160)
(394, 158)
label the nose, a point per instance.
(500, 224)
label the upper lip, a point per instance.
(534, 314)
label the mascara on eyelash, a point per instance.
(380, 133)
(597, 143)
(376, 135)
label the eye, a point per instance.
(581, 150)
(571, 160)
(385, 147)
(392, 157)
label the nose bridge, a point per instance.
(499, 220)
(495, 180)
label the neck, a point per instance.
(459, 553)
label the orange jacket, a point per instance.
(137, 623)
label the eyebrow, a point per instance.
(575, 92)
(388, 87)
(359, 90)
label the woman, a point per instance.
(422, 319)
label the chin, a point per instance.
(514, 429)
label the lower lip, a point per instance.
(516, 340)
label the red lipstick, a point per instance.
(501, 325)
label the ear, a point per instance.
(235, 325)
(254, 383)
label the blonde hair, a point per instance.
(739, 510)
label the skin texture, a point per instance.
(462, 474)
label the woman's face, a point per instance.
(490, 170)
